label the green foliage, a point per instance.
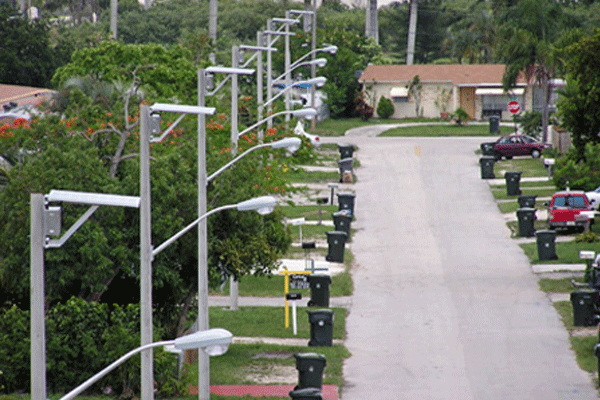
(582, 174)
(587, 237)
(26, 57)
(363, 108)
(81, 339)
(531, 123)
(460, 116)
(385, 108)
(579, 105)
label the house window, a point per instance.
(399, 94)
(495, 100)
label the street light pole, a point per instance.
(38, 326)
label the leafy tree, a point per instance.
(415, 88)
(26, 56)
(385, 108)
(579, 105)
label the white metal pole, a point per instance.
(203, 358)
(294, 317)
(147, 371)
(269, 75)
(38, 327)
(259, 84)
(234, 100)
(288, 73)
(313, 68)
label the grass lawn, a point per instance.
(272, 286)
(500, 194)
(567, 252)
(444, 130)
(529, 167)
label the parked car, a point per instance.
(518, 145)
(570, 209)
(594, 198)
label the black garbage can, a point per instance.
(487, 167)
(342, 220)
(346, 202)
(321, 327)
(487, 149)
(494, 124)
(306, 394)
(319, 290)
(346, 151)
(546, 246)
(526, 219)
(527, 201)
(310, 368)
(346, 170)
(513, 180)
(336, 241)
(585, 302)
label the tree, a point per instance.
(579, 105)
(26, 56)
(415, 88)
(385, 108)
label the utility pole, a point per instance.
(372, 27)
(412, 32)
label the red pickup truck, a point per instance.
(570, 209)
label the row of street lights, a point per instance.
(42, 215)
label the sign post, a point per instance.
(514, 107)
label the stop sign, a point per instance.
(514, 107)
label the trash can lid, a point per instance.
(336, 233)
(523, 210)
(306, 392)
(342, 213)
(308, 356)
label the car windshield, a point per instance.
(529, 139)
(569, 201)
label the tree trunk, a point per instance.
(546, 95)
(412, 32)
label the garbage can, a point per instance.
(310, 368)
(494, 124)
(336, 241)
(346, 151)
(545, 245)
(487, 149)
(342, 220)
(346, 202)
(346, 171)
(487, 167)
(321, 327)
(526, 219)
(527, 201)
(584, 302)
(319, 290)
(513, 180)
(306, 394)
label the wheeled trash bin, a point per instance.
(546, 245)
(336, 241)
(319, 290)
(585, 307)
(487, 167)
(321, 327)
(310, 368)
(526, 219)
(513, 181)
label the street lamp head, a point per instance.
(291, 144)
(229, 71)
(319, 81)
(331, 49)
(319, 62)
(214, 341)
(262, 205)
(304, 112)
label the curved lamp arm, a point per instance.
(318, 81)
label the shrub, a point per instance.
(385, 108)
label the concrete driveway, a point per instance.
(445, 304)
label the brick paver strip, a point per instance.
(330, 392)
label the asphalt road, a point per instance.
(445, 303)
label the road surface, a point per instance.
(445, 303)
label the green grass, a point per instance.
(300, 175)
(513, 206)
(310, 213)
(562, 285)
(500, 194)
(567, 252)
(270, 321)
(529, 167)
(273, 285)
(337, 127)
(445, 130)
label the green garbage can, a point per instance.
(342, 220)
(346, 202)
(585, 303)
(310, 368)
(319, 290)
(336, 241)
(321, 327)
(487, 167)
(487, 149)
(546, 246)
(494, 124)
(306, 394)
(346, 166)
(513, 180)
(527, 201)
(526, 219)
(346, 151)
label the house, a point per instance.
(19, 101)
(475, 88)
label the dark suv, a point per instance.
(570, 209)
